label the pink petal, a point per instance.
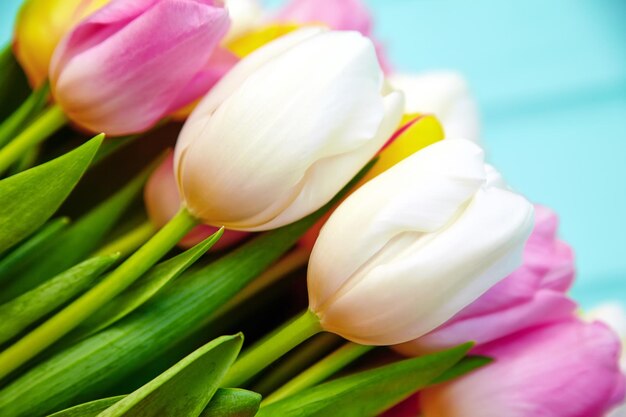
(122, 69)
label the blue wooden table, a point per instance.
(550, 77)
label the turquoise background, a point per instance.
(550, 77)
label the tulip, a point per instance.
(415, 245)
(257, 151)
(444, 94)
(163, 202)
(40, 25)
(532, 295)
(131, 63)
(567, 369)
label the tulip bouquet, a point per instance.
(302, 163)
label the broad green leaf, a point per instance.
(14, 88)
(79, 240)
(18, 314)
(90, 409)
(144, 288)
(464, 366)
(28, 199)
(101, 361)
(367, 393)
(227, 402)
(31, 250)
(233, 402)
(186, 388)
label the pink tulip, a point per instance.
(336, 14)
(567, 369)
(134, 61)
(534, 294)
(163, 201)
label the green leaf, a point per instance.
(80, 239)
(464, 366)
(29, 198)
(227, 402)
(31, 250)
(18, 314)
(367, 393)
(14, 88)
(233, 402)
(186, 388)
(102, 360)
(90, 409)
(144, 288)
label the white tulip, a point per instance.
(444, 94)
(415, 245)
(285, 130)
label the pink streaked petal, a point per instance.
(220, 62)
(569, 369)
(143, 57)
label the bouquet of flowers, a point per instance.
(340, 215)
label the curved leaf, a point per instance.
(28, 308)
(233, 402)
(367, 393)
(25, 254)
(227, 402)
(29, 198)
(186, 388)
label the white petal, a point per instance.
(315, 102)
(421, 194)
(422, 286)
(444, 94)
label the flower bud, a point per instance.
(415, 245)
(285, 130)
(40, 26)
(131, 63)
(532, 295)
(163, 202)
(444, 94)
(567, 369)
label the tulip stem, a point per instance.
(322, 370)
(130, 241)
(118, 280)
(45, 125)
(272, 347)
(302, 358)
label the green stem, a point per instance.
(48, 123)
(297, 362)
(130, 241)
(317, 373)
(272, 348)
(72, 315)
(30, 108)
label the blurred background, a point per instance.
(550, 78)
